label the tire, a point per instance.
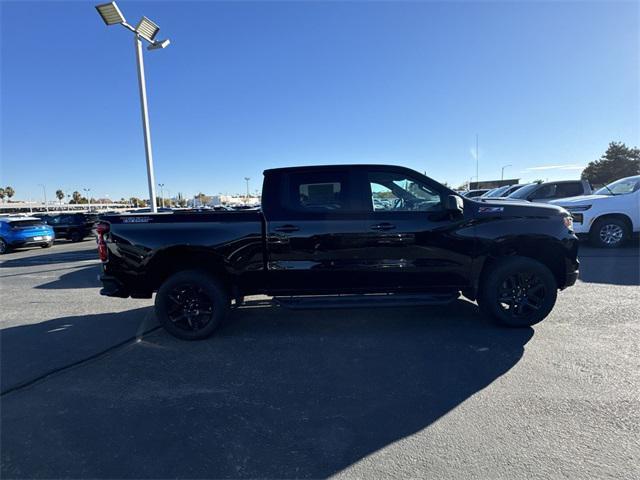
(75, 236)
(47, 245)
(4, 246)
(518, 292)
(183, 301)
(609, 232)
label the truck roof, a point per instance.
(333, 167)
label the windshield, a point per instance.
(524, 191)
(621, 187)
(25, 223)
(497, 192)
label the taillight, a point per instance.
(102, 229)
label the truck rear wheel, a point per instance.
(518, 292)
(191, 305)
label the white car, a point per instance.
(610, 216)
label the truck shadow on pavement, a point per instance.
(80, 277)
(614, 267)
(275, 394)
(50, 258)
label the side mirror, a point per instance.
(453, 203)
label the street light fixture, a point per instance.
(145, 30)
(110, 13)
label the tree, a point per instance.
(202, 199)
(9, 192)
(59, 195)
(2, 194)
(463, 187)
(617, 162)
(76, 197)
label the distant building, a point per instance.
(493, 183)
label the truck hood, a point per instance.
(579, 200)
(517, 207)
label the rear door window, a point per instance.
(320, 192)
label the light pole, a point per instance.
(502, 174)
(87, 190)
(44, 192)
(161, 185)
(477, 161)
(246, 179)
(145, 30)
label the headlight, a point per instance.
(578, 208)
(568, 221)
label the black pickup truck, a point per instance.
(342, 235)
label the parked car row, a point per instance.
(41, 229)
(608, 217)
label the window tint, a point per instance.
(319, 191)
(524, 192)
(545, 191)
(565, 190)
(395, 192)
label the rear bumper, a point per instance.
(28, 241)
(112, 287)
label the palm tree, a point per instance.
(9, 192)
(60, 196)
(76, 197)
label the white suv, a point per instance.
(610, 216)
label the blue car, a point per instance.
(24, 232)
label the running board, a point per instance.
(365, 301)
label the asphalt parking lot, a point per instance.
(92, 388)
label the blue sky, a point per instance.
(246, 86)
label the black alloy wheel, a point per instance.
(521, 294)
(191, 304)
(190, 308)
(518, 291)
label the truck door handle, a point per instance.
(287, 229)
(383, 226)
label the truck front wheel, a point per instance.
(191, 304)
(609, 232)
(518, 292)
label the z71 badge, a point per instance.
(490, 209)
